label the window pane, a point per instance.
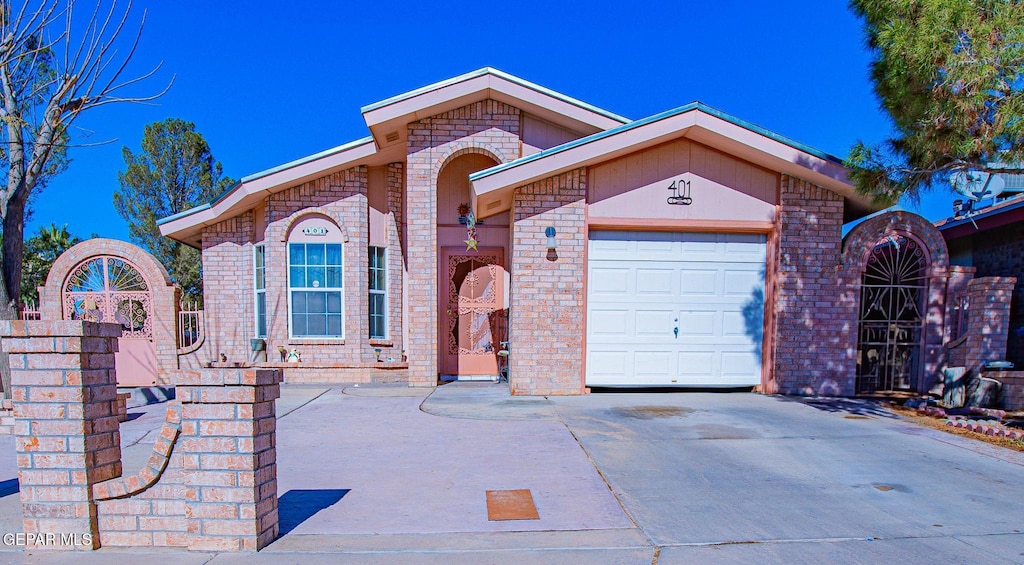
(315, 277)
(317, 325)
(333, 302)
(299, 302)
(333, 254)
(261, 315)
(334, 277)
(298, 277)
(334, 325)
(297, 254)
(315, 302)
(376, 327)
(314, 254)
(259, 256)
(299, 324)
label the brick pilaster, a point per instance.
(988, 322)
(66, 433)
(228, 438)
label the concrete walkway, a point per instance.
(393, 474)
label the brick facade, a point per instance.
(487, 127)
(811, 350)
(548, 300)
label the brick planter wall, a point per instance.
(210, 483)
(988, 320)
(66, 430)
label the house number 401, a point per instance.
(314, 231)
(680, 193)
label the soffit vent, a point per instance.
(493, 205)
(391, 137)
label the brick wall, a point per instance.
(488, 127)
(228, 272)
(811, 352)
(67, 436)
(227, 289)
(956, 352)
(548, 299)
(209, 485)
(1000, 253)
(988, 319)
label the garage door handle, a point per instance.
(675, 330)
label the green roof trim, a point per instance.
(650, 120)
(267, 172)
(492, 71)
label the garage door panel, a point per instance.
(610, 363)
(654, 281)
(693, 324)
(610, 323)
(696, 364)
(654, 365)
(642, 285)
(734, 324)
(740, 364)
(701, 282)
(654, 323)
(742, 283)
(604, 280)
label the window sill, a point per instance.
(382, 343)
(315, 341)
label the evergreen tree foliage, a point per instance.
(41, 250)
(174, 172)
(949, 74)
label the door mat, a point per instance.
(511, 505)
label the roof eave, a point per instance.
(694, 121)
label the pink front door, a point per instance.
(471, 314)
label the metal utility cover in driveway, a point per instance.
(511, 505)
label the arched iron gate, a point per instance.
(890, 329)
(111, 289)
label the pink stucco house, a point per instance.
(689, 248)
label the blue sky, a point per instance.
(267, 82)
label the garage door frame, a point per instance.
(766, 228)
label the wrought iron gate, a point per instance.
(893, 291)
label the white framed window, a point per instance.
(259, 270)
(378, 293)
(315, 298)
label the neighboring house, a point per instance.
(690, 248)
(991, 239)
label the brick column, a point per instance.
(229, 448)
(988, 322)
(66, 432)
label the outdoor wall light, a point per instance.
(550, 233)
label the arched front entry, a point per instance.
(106, 280)
(112, 289)
(895, 269)
(472, 286)
(892, 311)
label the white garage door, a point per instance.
(675, 309)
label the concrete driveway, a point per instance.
(392, 474)
(745, 478)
